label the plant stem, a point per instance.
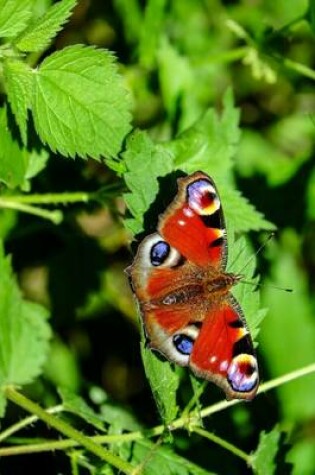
(49, 198)
(223, 443)
(68, 430)
(27, 421)
(155, 431)
(287, 378)
(298, 67)
(54, 216)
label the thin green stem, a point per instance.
(26, 422)
(289, 25)
(298, 67)
(227, 56)
(223, 443)
(49, 198)
(287, 378)
(68, 430)
(193, 401)
(55, 216)
(181, 422)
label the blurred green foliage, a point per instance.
(224, 86)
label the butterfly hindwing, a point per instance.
(223, 351)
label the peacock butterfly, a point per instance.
(183, 290)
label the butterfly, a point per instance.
(184, 292)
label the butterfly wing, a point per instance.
(223, 351)
(169, 275)
(160, 280)
(194, 222)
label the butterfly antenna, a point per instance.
(253, 256)
(260, 284)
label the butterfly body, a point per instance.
(183, 290)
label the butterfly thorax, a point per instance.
(222, 282)
(196, 286)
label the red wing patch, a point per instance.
(223, 353)
(194, 222)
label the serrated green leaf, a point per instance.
(210, 143)
(12, 157)
(263, 460)
(18, 78)
(144, 162)
(162, 460)
(240, 213)
(242, 259)
(14, 16)
(80, 106)
(164, 382)
(38, 35)
(75, 404)
(24, 332)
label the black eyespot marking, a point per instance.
(236, 324)
(183, 343)
(213, 220)
(197, 325)
(159, 253)
(217, 243)
(243, 346)
(181, 261)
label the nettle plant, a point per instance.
(76, 101)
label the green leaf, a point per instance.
(210, 143)
(119, 418)
(288, 334)
(164, 382)
(311, 14)
(278, 153)
(75, 404)
(17, 165)
(14, 16)
(61, 356)
(131, 16)
(162, 460)
(38, 35)
(151, 30)
(241, 259)
(310, 195)
(263, 459)
(240, 213)
(36, 162)
(80, 106)
(173, 86)
(18, 77)
(24, 332)
(144, 162)
(12, 157)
